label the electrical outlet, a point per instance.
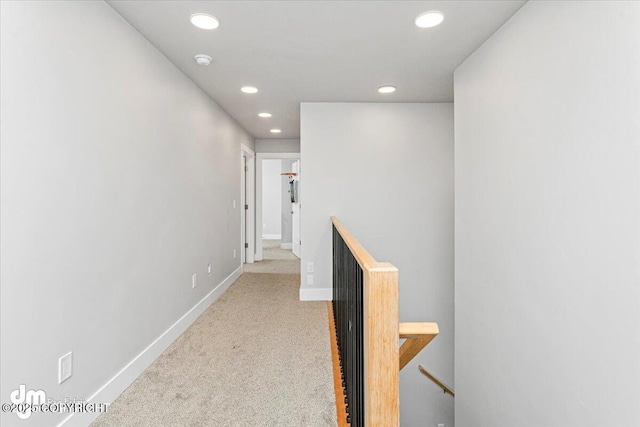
(209, 270)
(309, 279)
(194, 280)
(65, 367)
(309, 267)
(440, 425)
(234, 253)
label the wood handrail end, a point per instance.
(417, 335)
(418, 329)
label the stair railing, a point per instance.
(365, 317)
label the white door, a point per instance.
(243, 201)
(295, 214)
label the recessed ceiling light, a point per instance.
(387, 89)
(249, 89)
(429, 19)
(264, 115)
(203, 60)
(205, 21)
(275, 131)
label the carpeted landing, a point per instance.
(274, 260)
(256, 357)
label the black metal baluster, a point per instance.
(348, 316)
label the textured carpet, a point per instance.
(271, 250)
(256, 357)
(274, 260)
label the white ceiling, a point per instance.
(304, 51)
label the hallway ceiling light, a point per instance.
(205, 21)
(203, 60)
(264, 115)
(249, 89)
(275, 131)
(387, 89)
(429, 19)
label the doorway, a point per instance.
(247, 205)
(296, 243)
(277, 204)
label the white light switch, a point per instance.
(234, 204)
(309, 267)
(209, 269)
(194, 280)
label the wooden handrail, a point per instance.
(380, 334)
(361, 255)
(439, 383)
(382, 358)
(417, 335)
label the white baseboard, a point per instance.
(127, 375)
(272, 236)
(286, 245)
(316, 294)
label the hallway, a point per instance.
(257, 357)
(274, 260)
(486, 152)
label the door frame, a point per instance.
(296, 206)
(259, 158)
(247, 227)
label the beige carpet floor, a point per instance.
(274, 260)
(256, 357)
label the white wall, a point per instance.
(271, 199)
(277, 145)
(386, 170)
(286, 166)
(117, 181)
(548, 220)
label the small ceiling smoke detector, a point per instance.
(249, 89)
(387, 89)
(264, 115)
(203, 60)
(429, 19)
(205, 21)
(275, 131)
